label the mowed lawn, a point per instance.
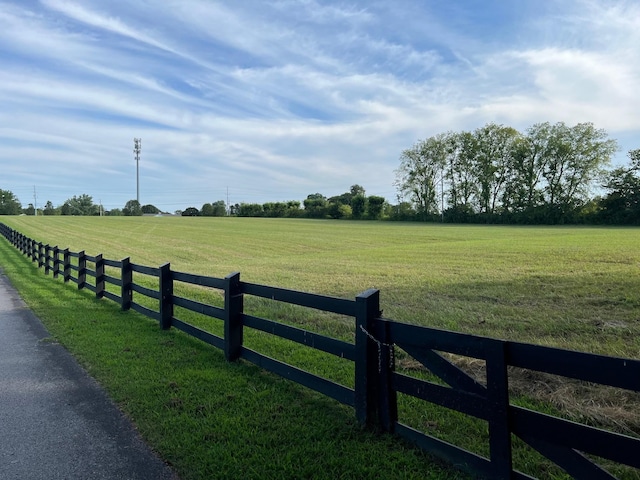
(571, 287)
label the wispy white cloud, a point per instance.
(106, 22)
(275, 100)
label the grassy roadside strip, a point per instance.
(206, 417)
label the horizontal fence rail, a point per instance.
(376, 381)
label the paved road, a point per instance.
(55, 421)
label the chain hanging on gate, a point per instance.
(380, 345)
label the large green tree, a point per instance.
(622, 204)
(150, 209)
(49, 209)
(206, 210)
(421, 168)
(9, 203)
(315, 205)
(216, 209)
(132, 209)
(522, 193)
(358, 206)
(575, 158)
(81, 205)
(191, 212)
(461, 180)
(491, 155)
(375, 206)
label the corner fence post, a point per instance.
(166, 296)
(367, 360)
(498, 397)
(99, 276)
(126, 289)
(82, 270)
(233, 308)
(387, 396)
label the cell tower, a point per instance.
(137, 148)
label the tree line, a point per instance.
(353, 204)
(495, 174)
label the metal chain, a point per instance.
(380, 345)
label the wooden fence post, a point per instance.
(82, 270)
(166, 296)
(66, 265)
(233, 307)
(387, 396)
(126, 290)
(100, 283)
(56, 261)
(367, 358)
(47, 259)
(498, 397)
(41, 254)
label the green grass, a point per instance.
(206, 417)
(572, 287)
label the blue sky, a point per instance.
(271, 100)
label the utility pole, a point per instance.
(137, 147)
(35, 202)
(442, 195)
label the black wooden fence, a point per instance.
(377, 382)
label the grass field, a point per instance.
(572, 287)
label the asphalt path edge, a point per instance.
(56, 421)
